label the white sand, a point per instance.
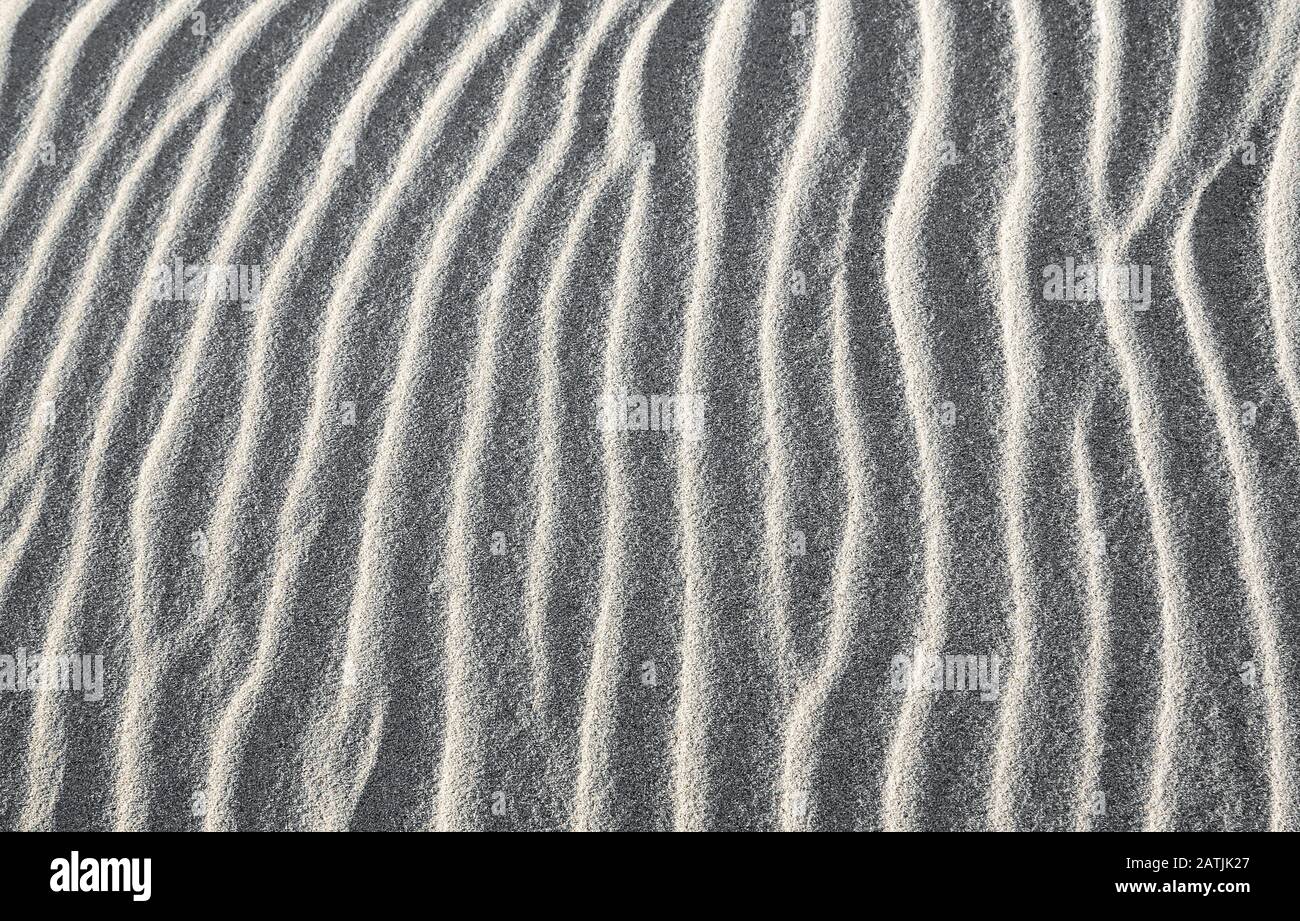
(360, 556)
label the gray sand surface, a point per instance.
(649, 414)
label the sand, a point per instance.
(814, 415)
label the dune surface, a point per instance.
(649, 415)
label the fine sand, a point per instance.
(650, 414)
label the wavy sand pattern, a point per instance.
(642, 414)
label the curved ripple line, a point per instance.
(823, 113)
(807, 716)
(904, 266)
(1021, 357)
(58, 75)
(271, 133)
(595, 731)
(127, 82)
(338, 769)
(546, 468)
(693, 719)
(1249, 510)
(1097, 580)
(399, 44)
(45, 767)
(291, 537)
(1122, 336)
